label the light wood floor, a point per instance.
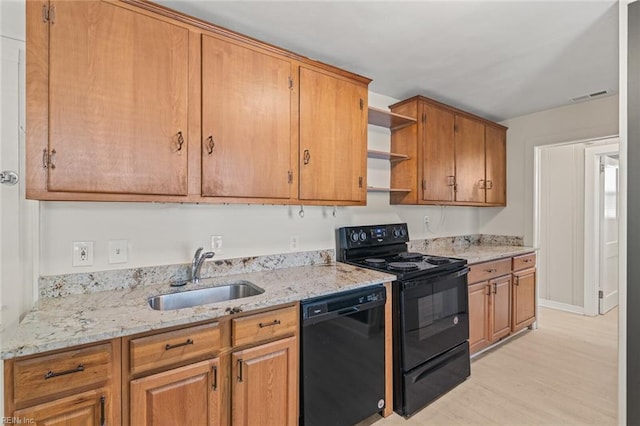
(563, 373)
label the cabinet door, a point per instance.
(438, 162)
(524, 299)
(469, 146)
(500, 307)
(479, 316)
(187, 395)
(333, 139)
(496, 165)
(84, 409)
(117, 101)
(246, 121)
(265, 384)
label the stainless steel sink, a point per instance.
(191, 298)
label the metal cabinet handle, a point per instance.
(168, 346)
(307, 156)
(495, 288)
(491, 271)
(451, 180)
(269, 324)
(103, 420)
(489, 184)
(210, 145)
(481, 184)
(52, 374)
(240, 370)
(214, 370)
(516, 281)
(527, 260)
(488, 290)
(180, 140)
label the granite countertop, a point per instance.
(61, 322)
(478, 253)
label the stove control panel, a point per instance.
(371, 235)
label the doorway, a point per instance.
(569, 234)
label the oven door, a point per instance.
(434, 316)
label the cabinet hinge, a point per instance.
(600, 294)
(290, 83)
(359, 181)
(361, 104)
(48, 14)
(601, 168)
(290, 176)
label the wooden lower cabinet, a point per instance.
(265, 384)
(187, 395)
(500, 303)
(84, 409)
(524, 298)
(478, 316)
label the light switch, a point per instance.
(118, 251)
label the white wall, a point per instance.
(12, 19)
(586, 120)
(169, 233)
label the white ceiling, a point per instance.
(498, 59)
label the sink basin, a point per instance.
(191, 298)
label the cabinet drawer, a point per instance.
(524, 261)
(488, 270)
(161, 350)
(62, 372)
(259, 327)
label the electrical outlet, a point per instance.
(118, 251)
(293, 242)
(82, 253)
(216, 243)
(426, 221)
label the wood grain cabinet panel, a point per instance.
(118, 86)
(264, 389)
(187, 395)
(261, 327)
(500, 307)
(524, 299)
(246, 121)
(333, 139)
(479, 295)
(455, 158)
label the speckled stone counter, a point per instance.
(479, 253)
(60, 322)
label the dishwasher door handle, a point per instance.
(347, 311)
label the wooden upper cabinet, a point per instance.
(246, 121)
(455, 158)
(438, 157)
(333, 138)
(470, 173)
(496, 162)
(118, 86)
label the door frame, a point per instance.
(592, 200)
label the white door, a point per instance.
(609, 167)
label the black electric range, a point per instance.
(430, 311)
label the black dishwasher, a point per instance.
(342, 357)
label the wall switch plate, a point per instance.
(82, 253)
(216, 243)
(118, 251)
(293, 242)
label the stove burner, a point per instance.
(375, 262)
(410, 256)
(437, 260)
(403, 266)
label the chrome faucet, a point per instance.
(198, 259)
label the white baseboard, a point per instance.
(561, 306)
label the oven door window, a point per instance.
(434, 317)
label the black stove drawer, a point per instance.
(433, 379)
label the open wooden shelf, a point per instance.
(383, 155)
(378, 189)
(390, 120)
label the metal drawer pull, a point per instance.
(307, 156)
(51, 374)
(240, 370)
(168, 346)
(491, 271)
(269, 324)
(527, 260)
